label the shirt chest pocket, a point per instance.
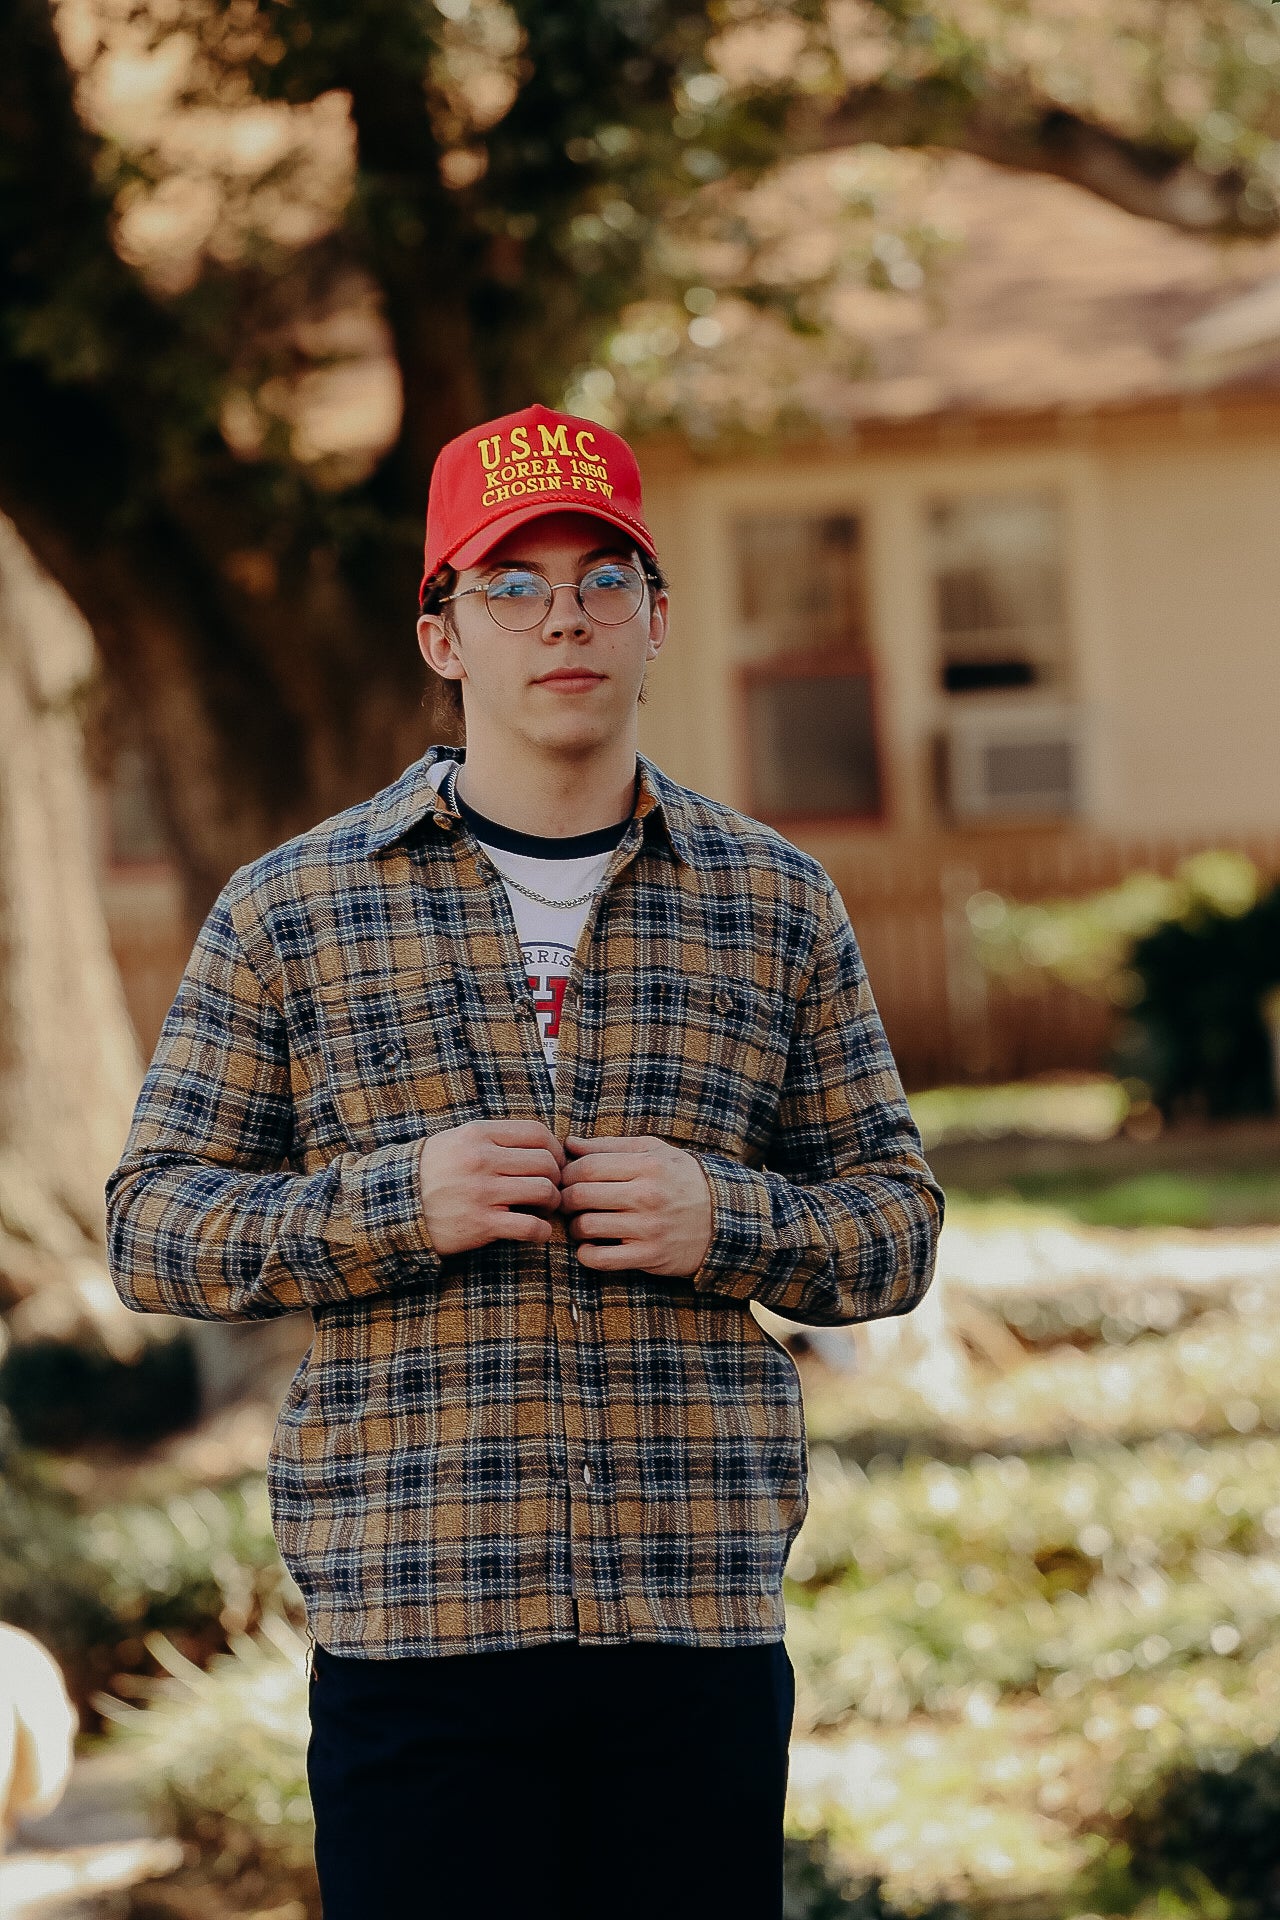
(395, 1059)
(700, 1057)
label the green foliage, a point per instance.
(63, 1394)
(1088, 942)
(1162, 1197)
(815, 1888)
(1216, 1373)
(1079, 1107)
(1213, 1823)
(1191, 960)
(222, 1751)
(93, 1582)
(1200, 1040)
(916, 1585)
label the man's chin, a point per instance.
(574, 734)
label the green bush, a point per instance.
(65, 1395)
(92, 1583)
(223, 1754)
(1190, 958)
(1215, 1824)
(1197, 1035)
(815, 1889)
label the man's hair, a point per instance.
(443, 698)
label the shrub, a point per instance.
(815, 1889)
(1191, 958)
(63, 1394)
(1215, 1822)
(223, 1755)
(92, 1583)
(1197, 1036)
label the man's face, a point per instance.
(569, 684)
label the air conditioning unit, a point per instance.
(1014, 760)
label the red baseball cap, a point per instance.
(509, 471)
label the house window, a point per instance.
(999, 590)
(805, 666)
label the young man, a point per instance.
(526, 1077)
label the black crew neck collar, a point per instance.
(573, 846)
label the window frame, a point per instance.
(859, 662)
(972, 492)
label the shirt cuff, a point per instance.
(742, 1232)
(378, 1207)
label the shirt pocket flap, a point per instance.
(396, 1058)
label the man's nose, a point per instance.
(566, 618)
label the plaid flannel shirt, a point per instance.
(501, 1448)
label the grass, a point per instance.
(1008, 1625)
(1165, 1197)
(1084, 1106)
(93, 1582)
(1011, 1622)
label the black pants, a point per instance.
(559, 1782)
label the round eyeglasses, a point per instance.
(520, 598)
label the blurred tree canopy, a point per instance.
(260, 258)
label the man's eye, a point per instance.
(515, 586)
(612, 579)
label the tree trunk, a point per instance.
(69, 1067)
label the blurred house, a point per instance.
(1018, 624)
(1013, 622)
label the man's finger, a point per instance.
(528, 1193)
(607, 1142)
(603, 1226)
(523, 1133)
(616, 1196)
(520, 1226)
(524, 1163)
(615, 1259)
(612, 1171)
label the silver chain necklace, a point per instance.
(543, 900)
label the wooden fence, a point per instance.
(946, 1018)
(906, 896)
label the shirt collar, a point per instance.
(413, 799)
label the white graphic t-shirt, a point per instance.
(563, 870)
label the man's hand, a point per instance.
(648, 1196)
(471, 1179)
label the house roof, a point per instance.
(1054, 299)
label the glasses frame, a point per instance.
(553, 587)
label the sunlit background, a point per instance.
(948, 332)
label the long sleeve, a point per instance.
(206, 1216)
(842, 1222)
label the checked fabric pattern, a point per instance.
(500, 1448)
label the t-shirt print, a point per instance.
(549, 884)
(546, 966)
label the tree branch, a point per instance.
(1157, 181)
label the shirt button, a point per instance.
(586, 1473)
(573, 1311)
(524, 1003)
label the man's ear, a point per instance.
(437, 644)
(658, 611)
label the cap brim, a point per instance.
(474, 549)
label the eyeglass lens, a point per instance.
(518, 598)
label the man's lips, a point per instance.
(569, 677)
